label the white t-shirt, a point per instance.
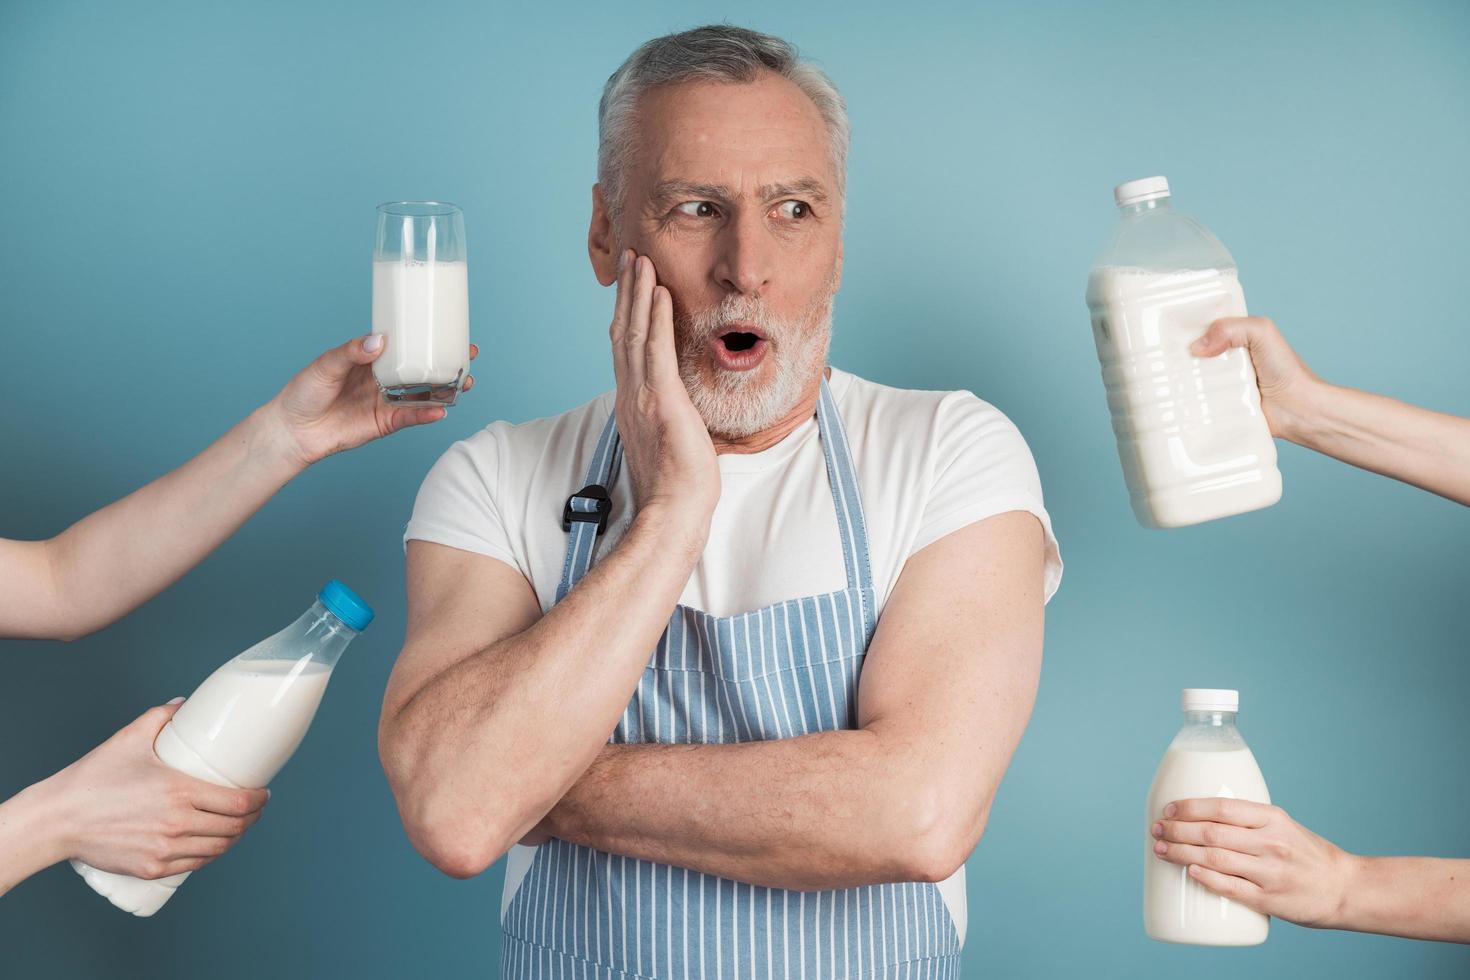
(927, 463)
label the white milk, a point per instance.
(422, 311)
(238, 729)
(1191, 435)
(1203, 761)
(244, 722)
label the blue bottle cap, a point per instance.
(346, 605)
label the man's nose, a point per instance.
(747, 256)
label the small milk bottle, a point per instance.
(1191, 435)
(244, 722)
(1207, 758)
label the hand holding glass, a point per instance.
(421, 302)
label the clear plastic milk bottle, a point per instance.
(1191, 435)
(244, 722)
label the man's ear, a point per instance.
(836, 285)
(602, 240)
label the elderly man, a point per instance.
(841, 584)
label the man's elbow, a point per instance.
(452, 837)
(942, 835)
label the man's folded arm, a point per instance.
(493, 710)
(945, 693)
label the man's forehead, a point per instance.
(758, 137)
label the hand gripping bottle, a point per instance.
(247, 718)
(1191, 435)
(1207, 758)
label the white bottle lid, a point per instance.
(1209, 699)
(1138, 191)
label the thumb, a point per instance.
(335, 365)
(1222, 335)
(151, 722)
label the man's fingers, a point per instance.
(1215, 858)
(636, 332)
(226, 800)
(1241, 813)
(663, 362)
(1209, 834)
(623, 302)
(1246, 892)
(474, 351)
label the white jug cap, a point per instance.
(1209, 699)
(1138, 191)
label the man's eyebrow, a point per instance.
(689, 190)
(808, 187)
(805, 187)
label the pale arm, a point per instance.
(1430, 450)
(1259, 856)
(112, 561)
(1427, 449)
(946, 691)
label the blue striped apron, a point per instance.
(780, 671)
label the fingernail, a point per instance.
(1170, 810)
(1161, 848)
(373, 342)
(178, 700)
(1158, 830)
(623, 262)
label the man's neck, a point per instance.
(766, 438)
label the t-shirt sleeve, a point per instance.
(457, 503)
(982, 467)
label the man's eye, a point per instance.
(697, 209)
(795, 209)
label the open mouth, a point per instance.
(738, 340)
(739, 350)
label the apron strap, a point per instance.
(585, 513)
(593, 499)
(852, 524)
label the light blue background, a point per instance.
(189, 194)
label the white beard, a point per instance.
(736, 404)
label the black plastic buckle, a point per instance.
(595, 492)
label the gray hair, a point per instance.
(720, 53)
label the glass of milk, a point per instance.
(1191, 435)
(421, 302)
(1207, 758)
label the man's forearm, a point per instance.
(1427, 449)
(1416, 897)
(117, 558)
(482, 751)
(827, 810)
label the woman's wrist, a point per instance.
(1305, 417)
(270, 442)
(35, 831)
